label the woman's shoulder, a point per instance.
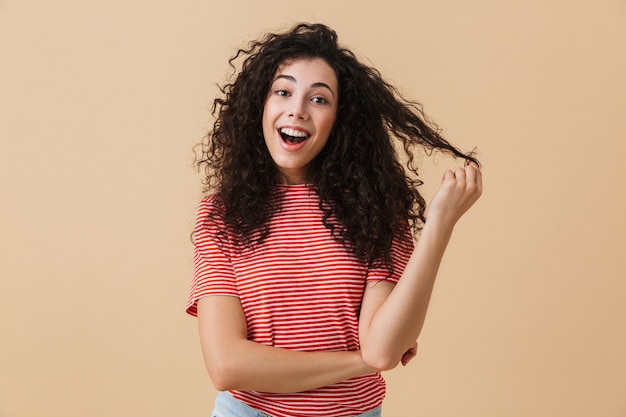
(208, 202)
(209, 211)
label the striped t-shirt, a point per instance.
(300, 290)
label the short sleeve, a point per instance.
(401, 251)
(213, 273)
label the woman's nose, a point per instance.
(298, 110)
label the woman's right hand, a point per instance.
(409, 354)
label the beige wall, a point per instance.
(101, 102)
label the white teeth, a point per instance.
(293, 133)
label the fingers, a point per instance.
(460, 174)
(473, 175)
(470, 173)
(448, 175)
(409, 354)
(460, 188)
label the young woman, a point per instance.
(307, 283)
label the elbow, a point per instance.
(222, 376)
(220, 383)
(381, 361)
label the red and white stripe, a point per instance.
(300, 290)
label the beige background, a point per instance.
(101, 102)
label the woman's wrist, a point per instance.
(437, 227)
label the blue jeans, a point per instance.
(227, 406)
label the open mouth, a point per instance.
(293, 135)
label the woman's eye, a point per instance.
(282, 93)
(319, 100)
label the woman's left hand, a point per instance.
(459, 190)
(392, 315)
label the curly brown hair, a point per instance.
(367, 196)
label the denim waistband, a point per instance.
(227, 406)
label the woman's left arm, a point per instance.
(392, 315)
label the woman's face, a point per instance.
(299, 114)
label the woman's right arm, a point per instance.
(236, 363)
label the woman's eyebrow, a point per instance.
(317, 84)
